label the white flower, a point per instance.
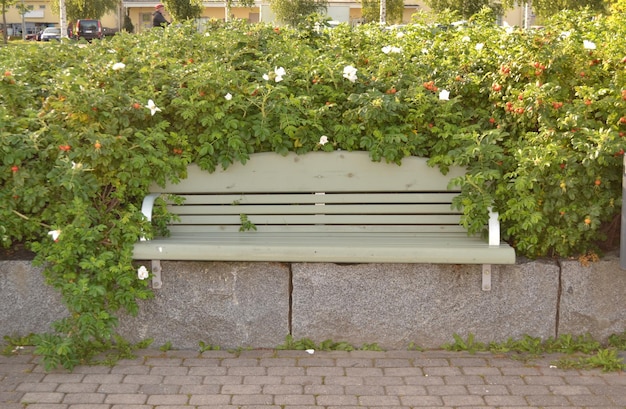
(266, 77)
(228, 97)
(279, 72)
(323, 140)
(444, 95)
(565, 34)
(142, 273)
(589, 45)
(55, 234)
(389, 49)
(118, 66)
(349, 72)
(424, 51)
(479, 46)
(152, 107)
(399, 34)
(466, 39)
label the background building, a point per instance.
(140, 13)
(41, 15)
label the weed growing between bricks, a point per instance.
(576, 352)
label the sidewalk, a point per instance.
(299, 380)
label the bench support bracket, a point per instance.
(486, 277)
(156, 274)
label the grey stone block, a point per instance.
(227, 304)
(27, 304)
(396, 304)
(592, 298)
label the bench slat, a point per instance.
(286, 219)
(303, 198)
(336, 171)
(324, 247)
(361, 209)
(181, 229)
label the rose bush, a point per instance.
(536, 116)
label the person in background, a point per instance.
(158, 20)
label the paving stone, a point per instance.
(168, 400)
(252, 400)
(199, 389)
(421, 401)
(547, 400)
(294, 400)
(462, 400)
(84, 398)
(378, 400)
(336, 400)
(214, 399)
(114, 388)
(38, 406)
(372, 380)
(505, 400)
(43, 397)
(159, 389)
(77, 387)
(126, 399)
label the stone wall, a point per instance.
(257, 304)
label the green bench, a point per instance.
(338, 207)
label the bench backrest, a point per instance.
(319, 191)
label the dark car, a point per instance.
(86, 29)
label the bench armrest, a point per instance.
(494, 228)
(146, 208)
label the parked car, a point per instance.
(86, 29)
(51, 33)
(108, 31)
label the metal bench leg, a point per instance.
(486, 277)
(156, 274)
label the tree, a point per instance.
(184, 9)
(371, 10)
(547, 8)
(77, 9)
(466, 8)
(128, 24)
(618, 6)
(4, 4)
(231, 3)
(293, 12)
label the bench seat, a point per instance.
(438, 248)
(336, 207)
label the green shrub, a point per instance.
(537, 117)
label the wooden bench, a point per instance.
(338, 207)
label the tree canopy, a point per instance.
(4, 5)
(293, 12)
(78, 9)
(547, 8)
(466, 8)
(184, 9)
(371, 10)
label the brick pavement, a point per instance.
(298, 380)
